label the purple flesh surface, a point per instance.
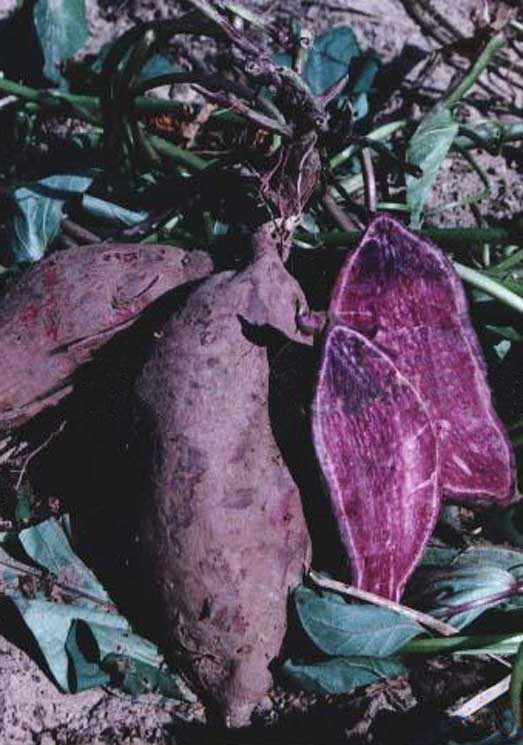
(401, 291)
(379, 455)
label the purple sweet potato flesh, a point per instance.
(69, 305)
(224, 533)
(402, 292)
(378, 452)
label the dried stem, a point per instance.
(369, 180)
(21, 570)
(336, 212)
(440, 627)
(480, 700)
(35, 452)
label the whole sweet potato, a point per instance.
(224, 528)
(68, 306)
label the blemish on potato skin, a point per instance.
(189, 467)
(207, 338)
(239, 499)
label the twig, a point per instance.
(336, 212)
(256, 117)
(10, 448)
(81, 234)
(22, 570)
(480, 700)
(7, 100)
(211, 82)
(35, 452)
(7, 449)
(445, 629)
(369, 180)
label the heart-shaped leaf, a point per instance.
(462, 592)
(38, 210)
(62, 30)
(330, 57)
(341, 674)
(428, 148)
(339, 628)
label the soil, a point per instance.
(34, 712)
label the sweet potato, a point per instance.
(68, 305)
(224, 530)
(378, 451)
(403, 293)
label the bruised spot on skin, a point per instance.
(257, 312)
(239, 499)
(190, 465)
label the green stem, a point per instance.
(490, 286)
(485, 644)
(178, 154)
(46, 97)
(516, 684)
(482, 62)
(57, 99)
(449, 238)
(490, 135)
(505, 265)
(378, 135)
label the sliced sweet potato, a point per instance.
(224, 530)
(403, 293)
(378, 452)
(68, 305)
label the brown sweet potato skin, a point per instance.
(68, 305)
(224, 529)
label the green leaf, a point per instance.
(136, 677)
(368, 64)
(76, 637)
(50, 622)
(24, 507)
(505, 558)
(427, 149)
(110, 212)
(462, 592)
(339, 628)
(47, 545)
(516, 684)
(84, 669)
(37, 214)
(62, 30)
(157, 65)
(508, 333)
(330, 57)
(340, 674)
(100, 652)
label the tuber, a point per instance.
(224, 531)
(69, 305)
(402, 292)
(378, 452)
